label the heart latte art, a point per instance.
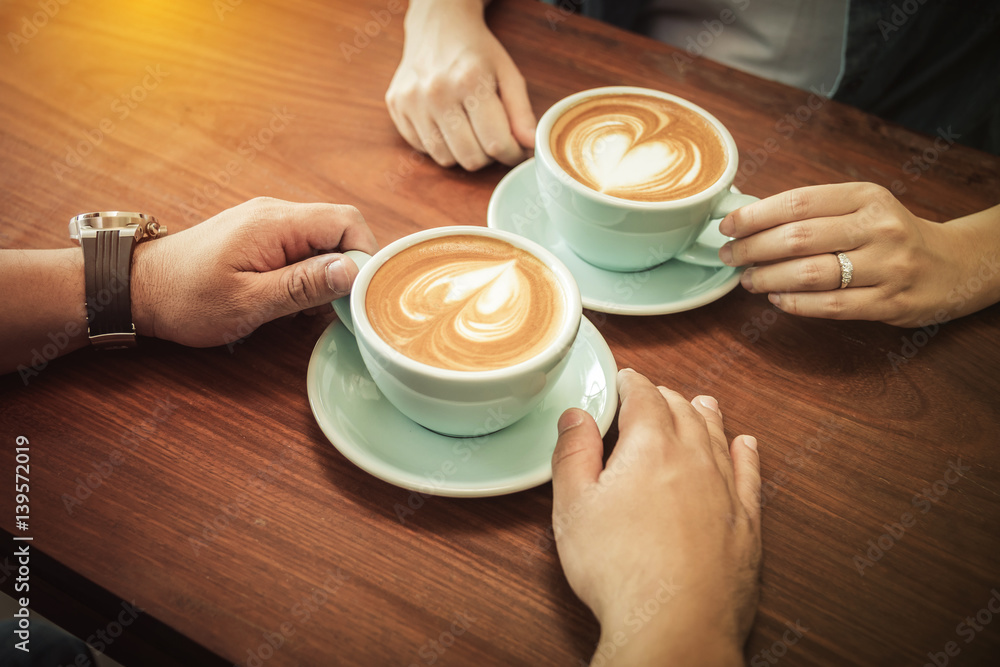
(638, 147)
(466, 303)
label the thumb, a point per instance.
(577, 459)
(514, 95)
(312, 282)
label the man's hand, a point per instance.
(215, 282)
(672, 522)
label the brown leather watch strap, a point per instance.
(107, 263)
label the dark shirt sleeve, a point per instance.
(49, 647)
(930, 65)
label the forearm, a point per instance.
(420, 12)
(979, 286)
(43, 305)
(682, 627)
(421, 6)
(647, 647)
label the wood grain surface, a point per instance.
(229, 517)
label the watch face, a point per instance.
(113, 219)
(147, 224)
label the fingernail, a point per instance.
(622, 374)
(727, 226)
(569, 419)
(337, 278)
(747, 280)
(750, 442)
(709, 402)
(726, 254)
(775, 299)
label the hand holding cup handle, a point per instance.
(342, 306)
(705, 250)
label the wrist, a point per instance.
(679, 625)
(655, 646)
(145, 276)
(975, 248)
(420, 12)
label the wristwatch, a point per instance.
(108, 240)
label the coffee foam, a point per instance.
(638, 147)
(465, 302)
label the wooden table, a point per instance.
(228, 517)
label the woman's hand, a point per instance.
(907, 271)
(456, 94)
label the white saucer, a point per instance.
(671, 287)
(374, 435)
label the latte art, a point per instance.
(638, 147)
(465, 303)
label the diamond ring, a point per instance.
(846, 270)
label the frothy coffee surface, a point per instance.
(465, 302)
(638, 147)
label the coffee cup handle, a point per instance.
(705, 251)
(342, 306)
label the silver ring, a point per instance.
(846, 270)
